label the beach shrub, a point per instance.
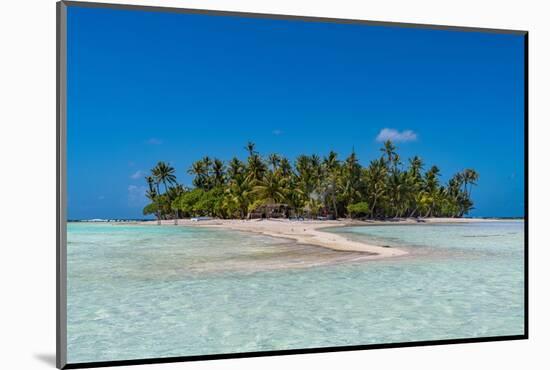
(150, 209)
(359, 209)
(187, 201)
(210, 203)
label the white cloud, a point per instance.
(138, 174)
(154, 141)
(396, 136)
(277, 132)
(136, 195)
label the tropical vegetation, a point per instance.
(310, 187)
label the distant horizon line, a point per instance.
(115, 219)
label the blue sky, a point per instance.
(144, 87)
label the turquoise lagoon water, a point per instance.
(148, 291)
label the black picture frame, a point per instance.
(61, 201)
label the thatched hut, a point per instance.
(271, 210)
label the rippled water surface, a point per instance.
(148, 291)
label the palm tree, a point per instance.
(151, 194)
(414, 184)
(398, 192)
(304, 172)
(235, 168)
(454, 193)
(274, 160)
(418, 201)
(207, 178)
(350, 181)
(199, 170)
(389, 151)
(270, 188)
(250, 148)
(218, 172)
(161, 173)
(150, 183)
(375, 177)
(256, 168)
(238, 192)
(154, 181)
(164, 173)
(316, 167)
(332, 168)
(432, 188)
(207, 162)
(470, 177)
(285, 168)
(415, 167)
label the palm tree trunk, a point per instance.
(158, 204)
(334, 200)
(334, 206)
(373, 207)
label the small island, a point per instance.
(313, 187)
(312, 194)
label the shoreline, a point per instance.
(311, 232)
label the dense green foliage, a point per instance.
(313, 186)
(359, 209)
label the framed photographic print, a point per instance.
(235, 185)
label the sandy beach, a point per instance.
(312, 233)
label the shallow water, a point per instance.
(148, 291)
